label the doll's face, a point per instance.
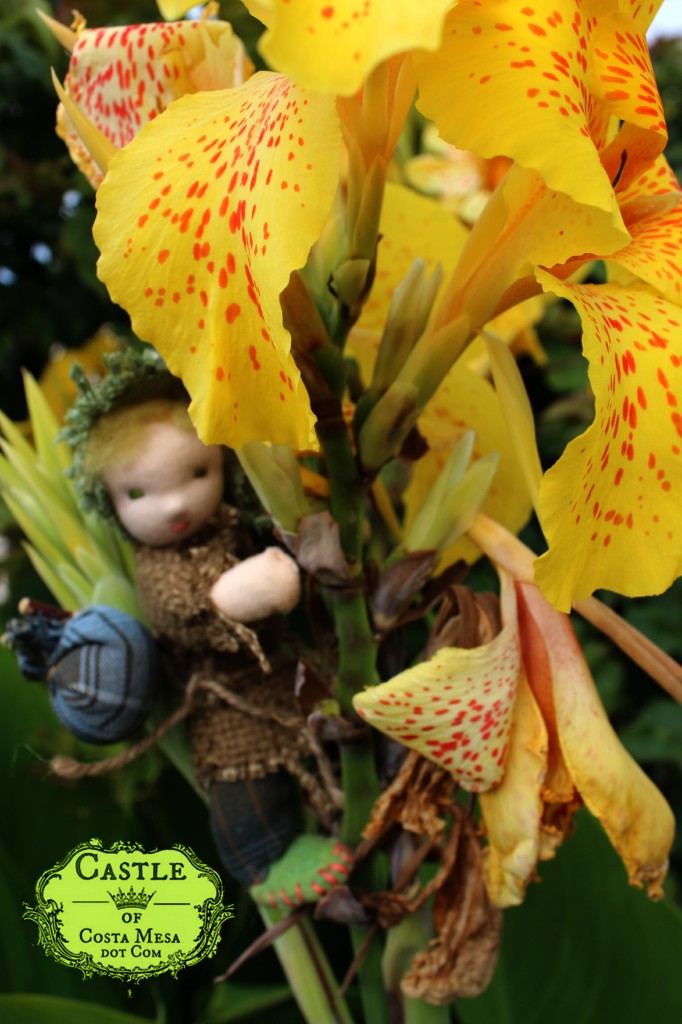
(167, 489)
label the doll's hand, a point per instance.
(262, 585)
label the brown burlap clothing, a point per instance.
(231, 744)
(174, 584)
(238, 728)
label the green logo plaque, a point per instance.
(127, 912)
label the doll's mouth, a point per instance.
(181, 526)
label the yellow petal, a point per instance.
(333, 45)
(262, 9)
(524, 225)
(66, 37)
(622, 80)
(452, 176)
(558, 790)
(529, 74)
(517, 412)
(122, 77)
(465, 401)
(610, 507)
(455, 709)
(171, 9)
(513, 811)
(214, 57)
(653, 215)
(515, 328)
(202, 219)
(635, 816)
(411, 226)
(642, 12)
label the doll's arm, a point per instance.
(265, 584)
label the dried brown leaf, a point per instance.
(460, 961)
(398, 585)
(319, 551)
(418, 799)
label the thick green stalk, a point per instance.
(346, 487)
(361, 789)
(357, 668)
(309, 975)
(418, 1012)
(370, 977)
(357, 648)
(405, 940)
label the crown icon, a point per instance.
(138, 900)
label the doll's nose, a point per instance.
(176, 506)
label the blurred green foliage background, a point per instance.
(584, 948)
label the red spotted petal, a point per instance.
(538, 78)
(652, 213)
(333, 46)
(202, 218)
(122, 77)
(512, 812)
(611, 507)
(455, 709)
(642, 12)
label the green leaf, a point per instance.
(30, 1009)
(55, 457)
(232, 1002)
(656, 733)
(60, 589)
(584, 947)
(16, 439)
(118, 592)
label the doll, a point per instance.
(215, 607)
(166, 489)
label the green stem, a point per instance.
(405, 940)
(370, 978)
(361, 789)
(418, 1012)
(356, 669)
(347, 489)
(357, 647)
(308, 972)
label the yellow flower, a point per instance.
(544, 81)
(613, 492)
(519, 721)
(548, 89)
(564, 753)
(533, 83)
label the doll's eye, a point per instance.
(200, 472)
(135, 492)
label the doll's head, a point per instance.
(162, 482)
(137, 457)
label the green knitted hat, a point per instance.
(133, 377)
